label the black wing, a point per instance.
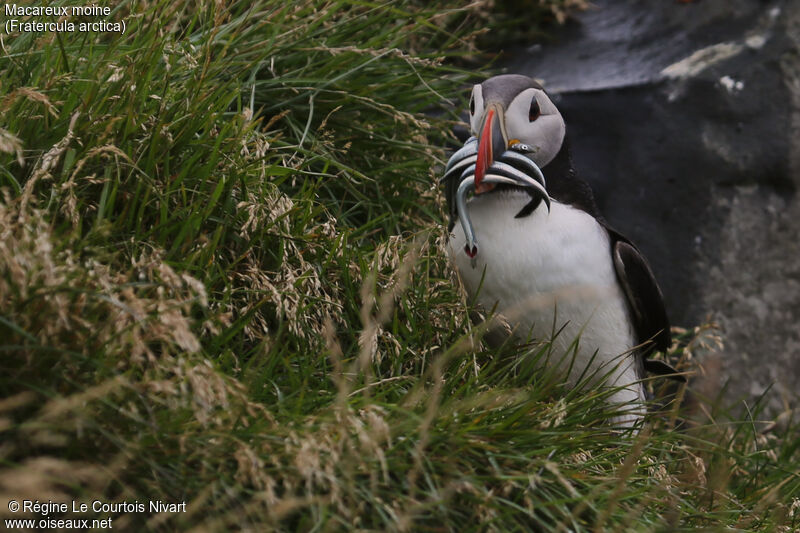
(645, 302)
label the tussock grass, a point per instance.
(223, 281)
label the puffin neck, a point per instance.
(565, 186)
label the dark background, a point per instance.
(685, 118)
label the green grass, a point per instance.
(223, 281)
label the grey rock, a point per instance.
(685, 118)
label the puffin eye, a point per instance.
(534, 111)
(471, 104)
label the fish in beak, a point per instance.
(486, 161)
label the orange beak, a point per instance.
(491, 143)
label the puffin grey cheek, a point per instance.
(548, 139)
(477, 115)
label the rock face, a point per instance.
(685, 118)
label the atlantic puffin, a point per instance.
(532, 246)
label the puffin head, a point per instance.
(509, 111)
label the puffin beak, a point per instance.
(491, 144)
